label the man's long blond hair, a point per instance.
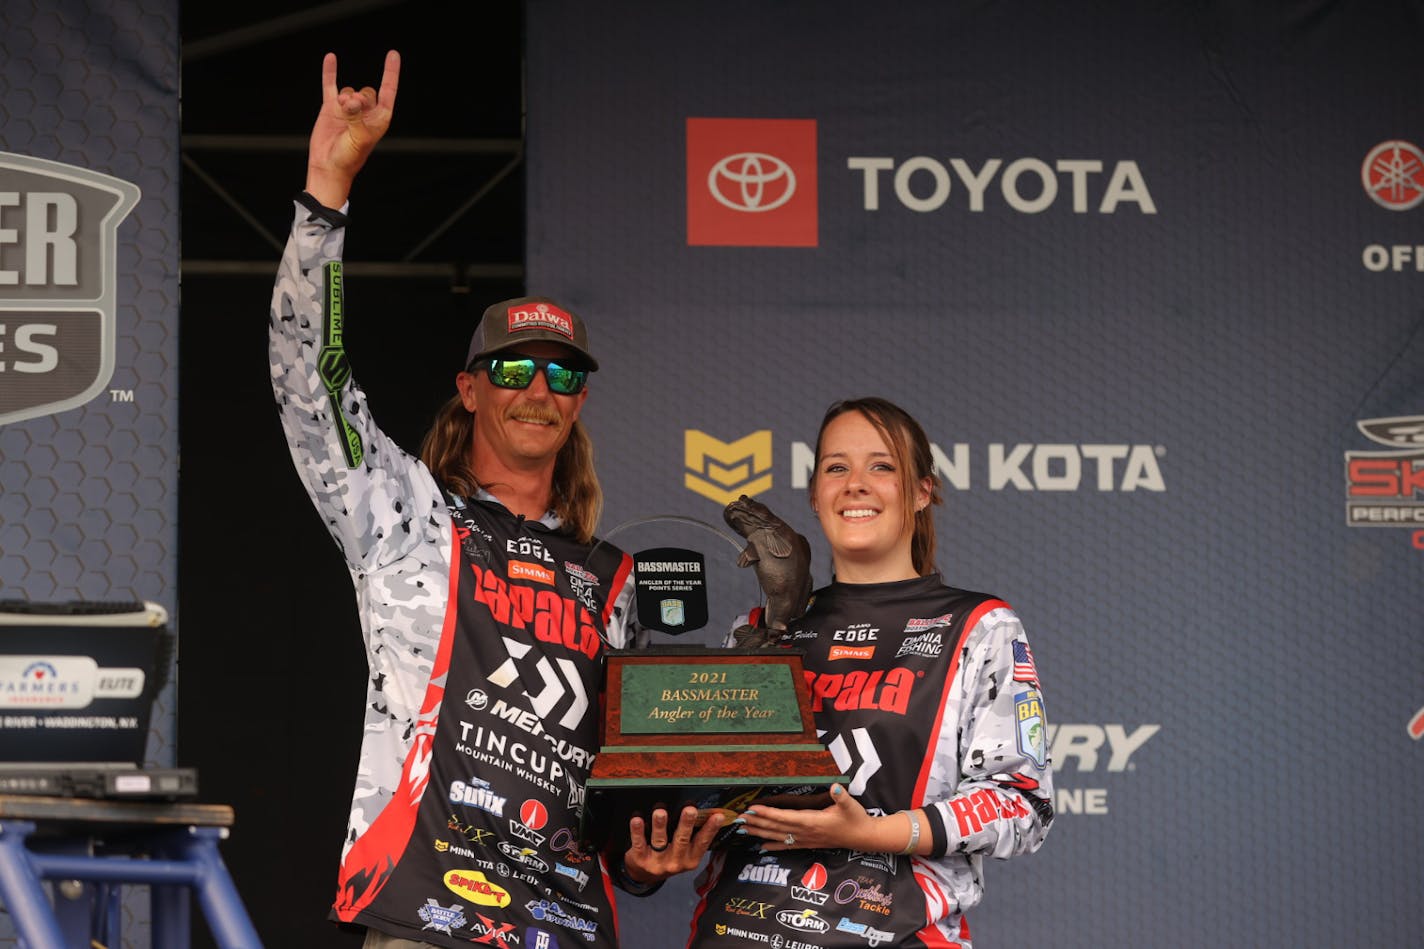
(577, 496)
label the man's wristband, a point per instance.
(914, 834)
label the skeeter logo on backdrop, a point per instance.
(1393, 176)
(58, 278)
(1386, 488)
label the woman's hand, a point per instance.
(844, 824)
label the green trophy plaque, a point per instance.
(718, 728)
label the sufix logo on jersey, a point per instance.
(751, 182)
(1386, 488)
(58, 279)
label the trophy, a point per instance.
(719, 728)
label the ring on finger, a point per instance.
(790, 840)
(658, 849)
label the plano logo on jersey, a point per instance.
(1386, 488)
(58, 279)
(723, 471)
(752, 183)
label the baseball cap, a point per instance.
(511, 323)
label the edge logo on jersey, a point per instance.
(751, 183)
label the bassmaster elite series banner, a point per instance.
(88, 317)
(1152, 277)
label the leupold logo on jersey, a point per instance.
(722, 471)
(751, 182)
(1386, 488)
(58, 266)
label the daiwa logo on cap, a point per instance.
(58, 267)
(540, 316)
(752, 182)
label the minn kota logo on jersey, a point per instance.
(58, 283)
(723, 471)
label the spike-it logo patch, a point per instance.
(58, 283)
(751, 183)
(723, 471)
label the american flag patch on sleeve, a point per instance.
(1024, 670)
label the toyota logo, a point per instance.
(756, 181)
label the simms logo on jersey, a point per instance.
(1386, 488)
(722, 471)
(58, 263)
(751, 182)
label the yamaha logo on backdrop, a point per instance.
(1393, 175)
(58, 274)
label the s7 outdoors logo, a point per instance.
(58, 266)
(752, 182)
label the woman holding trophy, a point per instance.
(928, 698)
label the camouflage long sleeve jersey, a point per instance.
(484, 633)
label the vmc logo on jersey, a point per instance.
(752, 183)
(724, 471)
(58, 265)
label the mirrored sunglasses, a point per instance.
(519, 373)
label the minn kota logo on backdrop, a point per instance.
(723, 471)
(58, 277)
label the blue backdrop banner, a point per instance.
(1150, 275)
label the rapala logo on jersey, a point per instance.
(1386, 488)
(722, 471)
(540, 316)
(888, 691)
(58, 280)
(472, 885)
(752, 183)
(553, 618)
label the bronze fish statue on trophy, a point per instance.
(782, 560)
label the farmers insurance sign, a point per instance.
(58, 227)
